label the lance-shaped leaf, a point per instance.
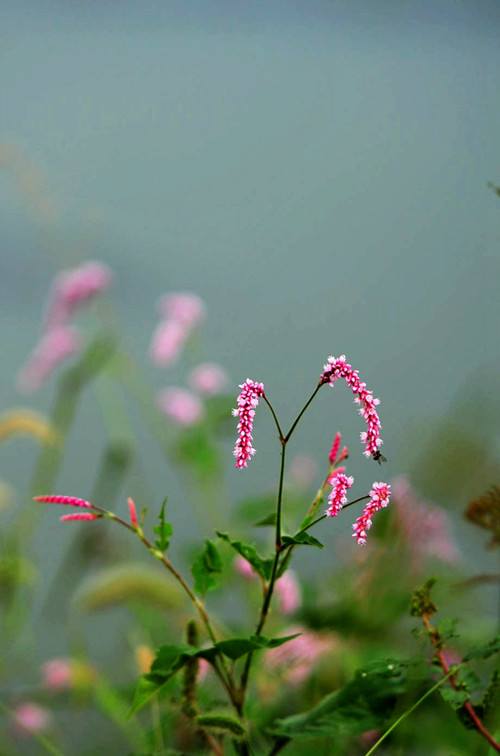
(262, 566)
(301, 539)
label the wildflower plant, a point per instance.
(269, 676)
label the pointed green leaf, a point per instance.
(301, 539)
(205, 569)
(164, 530)
(270, 519)
(262, 566)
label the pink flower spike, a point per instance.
(341, 484)
(335, 449)
(380, 495)
(86, 516)
(133, 513)
(288, 592)
(31, 718)
(55, 347)
(71, 501)
(336, 368)
(247, 402)
(337, 471)
(75, 287)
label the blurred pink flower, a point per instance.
(336, 368)
(167, 342)
(303, 470)
(424, 526)
(208, 378)
(248, 400)
(181, 406)
(73, 288)
(31, 718)
(55, 347)
(57, 674)
(184, 308)
(296, 659)
(244, 568)
(288, 593)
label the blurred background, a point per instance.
(317, 173)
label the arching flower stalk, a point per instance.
(380, 495)
(340, 486)
(336, 368)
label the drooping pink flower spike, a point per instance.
(340, 485)
(379, 498)
(71, 501)
(336, 368)
(248, 400)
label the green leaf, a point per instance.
(270, 519)
(447, 628)
(195, 449)
(236, 647)
(483, 650)
(262, 566)
(221, 722)
(455, 698)
(205, 569)
(164, 530)
(146, 689)
(364, 703)
(301, 539)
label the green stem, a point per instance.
(410, 710)
(299, 416)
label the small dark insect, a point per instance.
(379, 457)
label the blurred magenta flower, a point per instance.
(425, 527)
(288, 592)
(54, 348)
(167, 342)
(57, 674)
(180, 405)
(183, 307)
(31, 718)
(336, 368)
(244, 568)
(208, 378)
(75, 287)
(295, 660)
(247, 402)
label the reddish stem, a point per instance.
(435, 639)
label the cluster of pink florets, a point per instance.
(248, 400)
(337, 367)
(379, 498)
(337, 497)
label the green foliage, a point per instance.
(171, 658)
(421, 603)
(361, 705)
(455, 698)
(206, 568)
(221, 722)
(262, 566)
(268, 520)
(301, 539)
(483, 650)
(194, 448)
(164, 530)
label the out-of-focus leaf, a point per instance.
(222, 722)
(363, 704)
(128, 582)
(446, 628)
(206, 568)
(270, 519)
(262, 566)
(455, 698)
(195, 449)
(483, 650)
